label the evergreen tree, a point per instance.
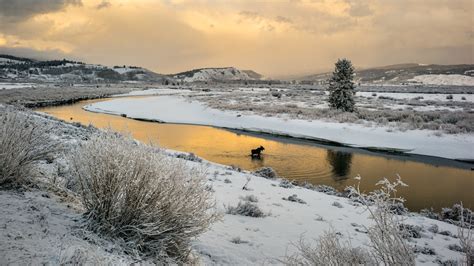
(341, 86)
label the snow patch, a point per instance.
(444, 79)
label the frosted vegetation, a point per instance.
(23, 143)
(298, 102)
(142, 204)
(135, 193)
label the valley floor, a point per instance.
(39, 227)
(185, 109)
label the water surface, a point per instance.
(433, 182)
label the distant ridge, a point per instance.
(217, 74)
(400, 73)
(13, 68)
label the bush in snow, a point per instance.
(189, 156)
(456, 214)
(286, 184)
(341, 87)
(266, 172)
(387, 244)
(250, 198)
(386, 236)
(329, 250)
(449, 97)
(23, 143)
(413, 231)
(466, 235)
(429, 213)
(424, 250)
(132, 192)
(294, 198)
(246, 208)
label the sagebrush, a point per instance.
(331, 249)
(23, 143)
(154, 203)
(388, 244)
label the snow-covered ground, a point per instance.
(37, 229)
(176, 109)
(9, 86)
(444, 79)
(241, 240)
(41, 227)
(154, 92)
(419, 96)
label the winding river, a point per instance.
(433, 182)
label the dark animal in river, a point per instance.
(255, 153)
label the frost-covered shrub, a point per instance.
(456, 214)
(276, 94)
(466, 234)
(326, 189)
(294, 198)
(433, 228)
(387, 98)
(286, 184)
(455, 247)
(329, 250)
(424, 250)
(398, 208)
(250, 198)
(132, 192)
(386, 236)
(413, 231)
(189, 156)
(266, 172)
(246, 208)
(23, 143)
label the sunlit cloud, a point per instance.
(274, 38)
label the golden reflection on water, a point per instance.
(429, 185)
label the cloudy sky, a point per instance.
(276, 38)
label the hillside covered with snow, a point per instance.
(24, 69)
(217, 74)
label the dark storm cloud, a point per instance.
(17, 10)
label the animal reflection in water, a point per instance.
(257, 153)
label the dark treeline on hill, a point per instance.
(25, 65)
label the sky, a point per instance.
(277, 38)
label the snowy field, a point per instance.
(420, 96)
(44, 226)
(176, 109)
(9, 86)
(443, 79)
(240, 240)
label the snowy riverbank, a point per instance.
(43, 226)
(176, 109)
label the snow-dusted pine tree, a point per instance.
(341, 86)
